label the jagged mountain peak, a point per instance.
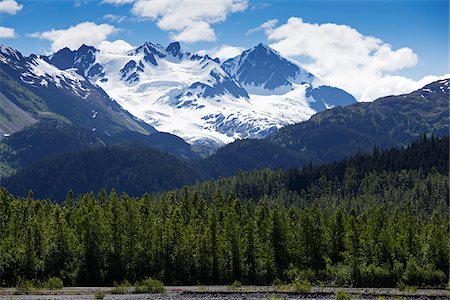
(262, 70)
(10, 55)
(200, 99)
(62, 94)
(173, 48)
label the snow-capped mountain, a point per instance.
(198, 98)
(33, 88)
(263, 72)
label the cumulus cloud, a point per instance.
(7, 33)
(363, 65)
(188, 20)
(118, 46)
(223, 52)
(87, 33)
(10, 7)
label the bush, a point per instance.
(54, 283)
(119, 290)
(376, 276)
(295, 274)
(301, 286)
(99, 294)
(25, 287)
(420, 275)
(340, 274)
(236, 284)
(406, 288)
(342, 295)
(150, 285)
(122, 288)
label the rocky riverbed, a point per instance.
(228, 293)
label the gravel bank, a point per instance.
(227, 293)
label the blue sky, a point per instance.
(420, 26)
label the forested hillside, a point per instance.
(378, 220)
(137, 169)
(387, 122)
(129, 167)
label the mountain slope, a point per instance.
(46, 138)
(330, 135)
(283, 84)
(173, 90)
(37, 89)
(50, 137)
(342, 132)
(134, 168)
(387, 122)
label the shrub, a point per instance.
(295, 274)
(150, 285)
(301, 286)
(119, 290)
(122, 288)
(54, 283)
(342, 295)
(340, 274)
(236, 284)
(275, 297)
(417, 274)
(25, 287)
(375, 275)
(99, 294)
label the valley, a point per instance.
(226, 149)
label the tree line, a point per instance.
(357, 239)
(352, 223)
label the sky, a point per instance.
(369, 48)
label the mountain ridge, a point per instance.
(331, 135)
(197, 97)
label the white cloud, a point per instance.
(10, 7)
(362, 65)
(115, 18)
(7, 33)
(223, 52)
(188, 20)
(118, 46)
(79, 3)
(84, 33)
(260, 5)
(118, 2)
(268, 25)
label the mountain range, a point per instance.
(331, 135)
(200, 99)
(265, 111)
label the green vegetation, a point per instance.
(149, 285)
(342, 295)
(236, 284)
(391, 121)
(301, 286)
(25, 287)
(120, 290)
(335, 224)
(99, 294)
(54, 283)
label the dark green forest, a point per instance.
(137, 169)
(373, 220)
